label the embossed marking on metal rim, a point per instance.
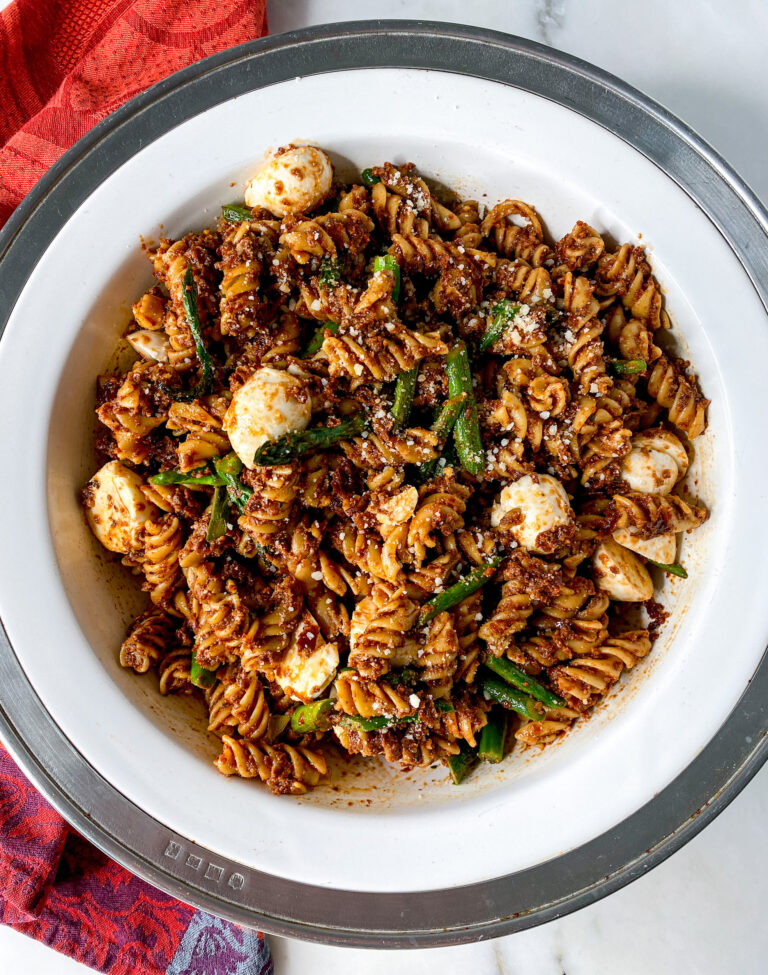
(194, 874)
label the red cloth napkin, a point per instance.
(64, 66)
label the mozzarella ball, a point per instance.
(294, 180)
(649, 471)
(665, 442)
(150, 345)
(542, 502)
(620, 573)
(663, 548)
(271, 404)
(116, 507)
(656, 462)
(310, 664)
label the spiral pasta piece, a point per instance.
(132, 414)
(416, 196)
(223, 628)
(379, 631)
(584, 335)
(430, 576)
(285, 769)
(467, 716)
(246, 249)
(357, 695)
(325, 235)
(396, 747)
(378, 357)
(531, 285)
(579, 249)
(678, 394)
(396, 214)
(651, 515)
(385, 447)
(411, 521)
(324, 304)
(355, 198)
(248, 705)
(469, 234)
(627, 274)
(267, 514)
(173, 672)
(550, 394)
(439, 658)
(275, 629)
(459, 285)
(221, 721)
(467, 616)
(149, 310)
(510, 617)
(366, 553)
(556, 721)
(587, 678)
(202, 421)
(147, 641)
(524, 242)
(162, 543)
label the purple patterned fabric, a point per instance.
(211, 946)
(58, 888)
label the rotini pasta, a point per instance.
(389, 465)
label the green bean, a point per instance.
(228, 468)
(454, 594)
(309, 441)
(316, 342)
(229, 465)
(443, 425)
(518, 678)
(330, 272)
(493, 737)
(369, 179)
(449, 413)
(388, 263)
(166, 478)
(379, 721)
(217, 523)
(405, 387)
(629, 367)
(189, 300)
(236, 213)
(312, 717)
(406, 676)
(450, 455)
(201, 676)
(503, 313)
(674, 568)
(459, 765)
(466, 433)
(510, 697)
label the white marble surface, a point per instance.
(701, 911)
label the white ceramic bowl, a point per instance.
(65, 603)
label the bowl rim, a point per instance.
(478, 911)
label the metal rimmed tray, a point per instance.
(227, 888)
